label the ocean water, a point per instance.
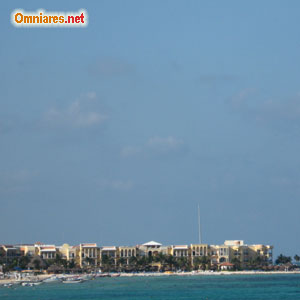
(165, 288)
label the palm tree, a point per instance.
(236, 262)
(107, 262)
(90, 261)
(281, 259)
(37, 264)
(171, 262)
(256, 262)
(71, 264)
(197, 262)
(24, 261)
(183, 263)
(142, 262)
(205, 262)
(297, 258)
(132, 261)
(121, 262)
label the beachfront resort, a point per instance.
(150, 256)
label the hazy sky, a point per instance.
(115, 132)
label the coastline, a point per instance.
(204, 273)
(155, 274)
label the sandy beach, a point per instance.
(224, 273)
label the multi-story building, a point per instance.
(68, 252)
(149, 249)
(89, 254)
(108, 253)
(126, 252)
(245, 254)
(46, 251)
(181, 251)
(198, 250)
(10, 252)
(27, 249)
(219, 253)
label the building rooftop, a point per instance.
(109, 248)
(181, 247)
(89, 245)
(152, 243)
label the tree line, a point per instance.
(160, 262)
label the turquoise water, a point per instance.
(163, 288)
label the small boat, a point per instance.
(51, 279)
(73, 280)
(8, 285)
(31, 283)
(103, 275)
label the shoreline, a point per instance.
(204, 273)
(221, 273)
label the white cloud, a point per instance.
(283, 113)
(79, 114)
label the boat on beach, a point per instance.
(8, 285)
(51, 279)
(76, 279)
(31, 283)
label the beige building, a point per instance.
(109, 252)
(89, 254)
(126, 252)
(246, 254)
(68, 252)
(219, 253)
(198, 250)
(150, 249)
(27, 249)
(45, 251)
(181, 251)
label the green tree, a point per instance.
(197, 262)
(122, 262)
(183, 264)
(71, 264)
(37, 264)
(281, 259)
(24, 261)
(142, 263)
(297, 258)
(90, 261)
(236, 263)
(256, 262)
(171, 262)
(205, 262)
(132, 261)
(107, 263)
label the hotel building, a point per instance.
(89, 254)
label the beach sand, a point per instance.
(203, 273)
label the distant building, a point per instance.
(46, 251)
(84, 255)
(10, 252)
(89, 254)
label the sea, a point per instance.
(165, 288)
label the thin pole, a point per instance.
(199, 226)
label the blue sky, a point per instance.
(115, 132)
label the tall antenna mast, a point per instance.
(199, 226)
